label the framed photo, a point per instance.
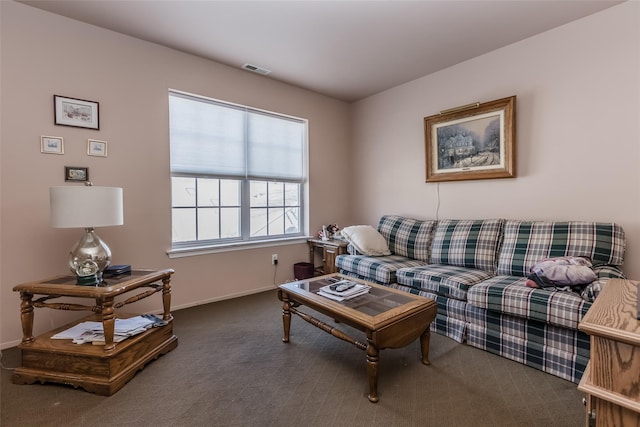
(76, 112)
(472, 142)
(97, 148)
(51, 145)
(74, 173)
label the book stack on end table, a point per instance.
(342, 290)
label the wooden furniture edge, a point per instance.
(588, 387)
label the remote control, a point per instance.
(342, 287)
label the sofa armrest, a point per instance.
(604, 273)
(608, 272)
(351, 250)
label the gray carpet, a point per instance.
(231, 368)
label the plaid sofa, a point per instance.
(476, 269)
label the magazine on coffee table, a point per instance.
(343, 290)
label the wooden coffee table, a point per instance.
(389, 318)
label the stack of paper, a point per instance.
(93, 332)
(343, 290)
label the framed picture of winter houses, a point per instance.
(475, 141)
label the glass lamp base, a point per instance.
(89, 256)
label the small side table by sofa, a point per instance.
(101, 369)
(330, 250)
(612, 377)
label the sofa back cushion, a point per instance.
(467, 243)
(527, 242)
(407, 237)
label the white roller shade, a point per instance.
(213, 138)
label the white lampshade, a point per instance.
(86, 206)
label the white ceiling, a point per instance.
(344, 49)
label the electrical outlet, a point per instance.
(274, 259)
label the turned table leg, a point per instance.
(372, 371)
(425, 339)
(26, 316)
(108, 322)
(286, 315)
(166, 298)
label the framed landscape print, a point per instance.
(76, 173)
(51, 144)
(472, 142)
(97, 148)
(76, 112)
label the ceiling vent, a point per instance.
(256, 69)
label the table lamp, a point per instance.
(87, 207)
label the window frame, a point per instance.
(244, 241)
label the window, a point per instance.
(237, 173)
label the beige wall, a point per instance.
(578, 145)
(578, 136)
(44, 54)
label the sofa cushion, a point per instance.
(509, 295)
(451, 320)
(380, 269)
(563, 339)
(569, 365)
(446, 280)
(467, 243)
(407, 237)
(527, 242)
(366, 240)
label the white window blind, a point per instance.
(224, 140)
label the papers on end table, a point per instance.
(93, 332)
(334, 291)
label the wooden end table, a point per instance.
(101, 369)
(330, 250)
(612, 377)
(389, 318)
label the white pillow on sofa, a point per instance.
(367, 240)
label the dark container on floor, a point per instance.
(302, 270)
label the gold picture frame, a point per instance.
(476, 141)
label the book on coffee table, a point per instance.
(343, 290)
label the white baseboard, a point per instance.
(225, 297)
(6, 345)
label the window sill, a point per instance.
(239, 246)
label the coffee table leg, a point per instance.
(372, 371)
(425, 339)
(286, 318)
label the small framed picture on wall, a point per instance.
(97, 148)
(51, 145)
(76, 173)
